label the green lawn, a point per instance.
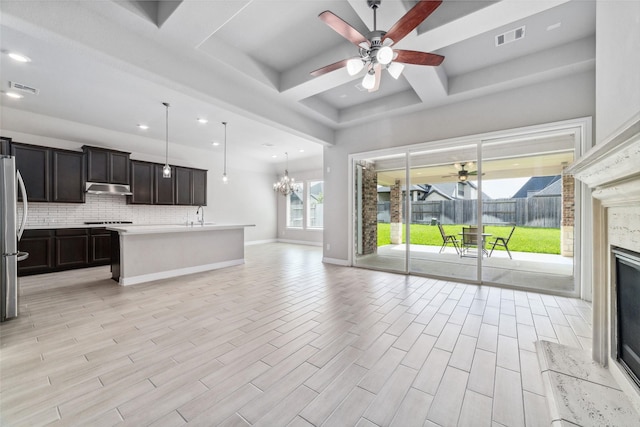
(524, 239)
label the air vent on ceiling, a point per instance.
(510, 36)
(24, 88)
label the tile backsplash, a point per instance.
(102, 207)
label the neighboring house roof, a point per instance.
(447, 190)
(553, 189)
(534, 185)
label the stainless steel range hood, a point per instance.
(101, 188)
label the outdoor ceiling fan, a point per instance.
(465, 170)
(375, 49)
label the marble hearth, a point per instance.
(611, 170)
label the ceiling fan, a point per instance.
(375, 49)
(465, 170)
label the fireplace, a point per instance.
(610, 171)
(626, 289)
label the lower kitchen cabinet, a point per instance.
(64, 249)
(100, 246)
(40, 245)
(72, 247)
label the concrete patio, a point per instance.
(545, 272)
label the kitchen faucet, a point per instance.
(202, 217)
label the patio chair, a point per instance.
(448, 239)
(503, 242)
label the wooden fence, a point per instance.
(532, 212)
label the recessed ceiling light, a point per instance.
(274, 156)
(516, 164)
(215, 143)
(14, 95)
(143, 127)
(344, 95)
(203, 121)
(19, 57)
(301, 150)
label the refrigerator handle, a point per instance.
(25, 205)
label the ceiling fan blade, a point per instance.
(418, 58)
(343, 28)
(329, 68)
(411, 20)
(378, 70)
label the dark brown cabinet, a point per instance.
(40, 245)
(199, 178)
(67, 177)
(191, 186)
(141, 183)
(34, 164)
(5, 145)
(50, 175)
(64, 249)
(184, 186)
(72, 247)
(164, 193)
(107, 166)
(100, 246)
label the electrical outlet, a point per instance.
(328, 247)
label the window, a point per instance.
(295, 209)
(315, 204)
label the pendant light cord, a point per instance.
(166, 159)
(225, 148)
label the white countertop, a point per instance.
(173, 228)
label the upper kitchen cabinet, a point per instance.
(5, 146)
(107, 166)
(199, 178)
(34, 164)
(191, 186)
(164, 191)
(184, 186)
(67, 176)
(141, 182)
(49, 174)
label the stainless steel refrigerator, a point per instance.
(10, 233)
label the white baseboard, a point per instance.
(260, 242)
(336, 261)
(127, 281)
(300, 242)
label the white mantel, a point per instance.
(612, 171)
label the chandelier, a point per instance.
(286, 185)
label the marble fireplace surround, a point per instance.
(611, 170)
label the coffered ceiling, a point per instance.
(110, 64)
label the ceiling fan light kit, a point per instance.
(375, 49)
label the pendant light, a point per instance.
(166, 169)
(224, 173)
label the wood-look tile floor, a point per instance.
(281, 340)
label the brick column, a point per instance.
(396, 213)
(568, 215)
(369, 209)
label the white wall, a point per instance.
(566, 98)
(618, 65)
(247, 198)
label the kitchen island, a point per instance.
(143, 253)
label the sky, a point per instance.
(501, 188)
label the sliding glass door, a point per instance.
(495, 210)
(379, 213)
(529, 211)
(443, 206)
